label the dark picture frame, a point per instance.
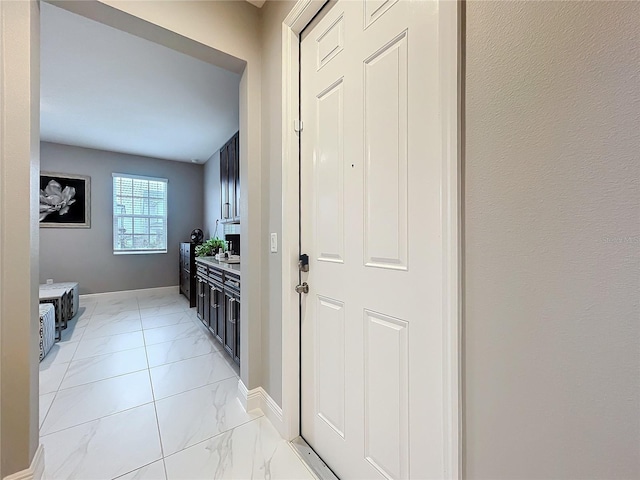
(65, 200)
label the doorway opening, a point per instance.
(136, 346)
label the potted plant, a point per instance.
(210, 247)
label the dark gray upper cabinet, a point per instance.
(230, 180)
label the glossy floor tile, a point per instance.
(190, 417)
(61, 352)
(163, 310)
(173, 332)
(97, 328)
(167, 319)
(153, 471)
(51, 377)
(92, 347)
(104, 448)
(188, 374)
(252, 450)
(139, 389)
(154, 301)
(91, 401)
(100, 367)
(181, 349)
(44, 404)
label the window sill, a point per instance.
(140, 252)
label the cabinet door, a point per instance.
(205, 301)
(200, 299)
(224, 183)
(231, 180)
(236, 350)
(181, 269)
(236, 182)
(214, 304)
(221, 321)
(230, 327)
(185, 287)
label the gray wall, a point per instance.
(273, 13)
(86, 255)
(552, 328)
(212, 209)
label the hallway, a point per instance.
(137, 388)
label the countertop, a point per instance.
(229, 267)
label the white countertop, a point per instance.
(229, 267)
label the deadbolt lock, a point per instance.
(303, 263)
(302, 288)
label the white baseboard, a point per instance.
(35, 470)
(258, 398)
(131, 293)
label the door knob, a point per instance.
(302, 288)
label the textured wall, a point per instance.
(273, 13)
(86, 255)
(552, 347)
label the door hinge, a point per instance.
(298, 125)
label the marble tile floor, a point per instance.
(138, 389)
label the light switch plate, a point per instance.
(274, 243)
(49, 281)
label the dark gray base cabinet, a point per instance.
(187, 272)
(218, 306)
(232, 316)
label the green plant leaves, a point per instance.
(210, 247)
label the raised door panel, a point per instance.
(184, 284)
(236, 350)
(237, 182)
(231, 176)
(329, 175)
(181, 264)
(236, 177)
(207, 296)
(330, 363)
(230, 330)
(224, 182)
(374, 9)
(386, 173)
(200, 298)
(213, 308)
(386, 394)
(221, 318)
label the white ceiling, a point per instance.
(106, 89)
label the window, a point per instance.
(139, 214)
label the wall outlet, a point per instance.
(49, 281)
(274, 243)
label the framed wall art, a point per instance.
(65, 200)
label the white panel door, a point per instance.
(372, 325)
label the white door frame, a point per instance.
(450, 67)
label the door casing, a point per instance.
(450, 67)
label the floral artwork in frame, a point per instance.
(65, 200)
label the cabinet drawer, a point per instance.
(232, 284)
(202, 270)
(215, 274)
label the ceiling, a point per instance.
(106, 89)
